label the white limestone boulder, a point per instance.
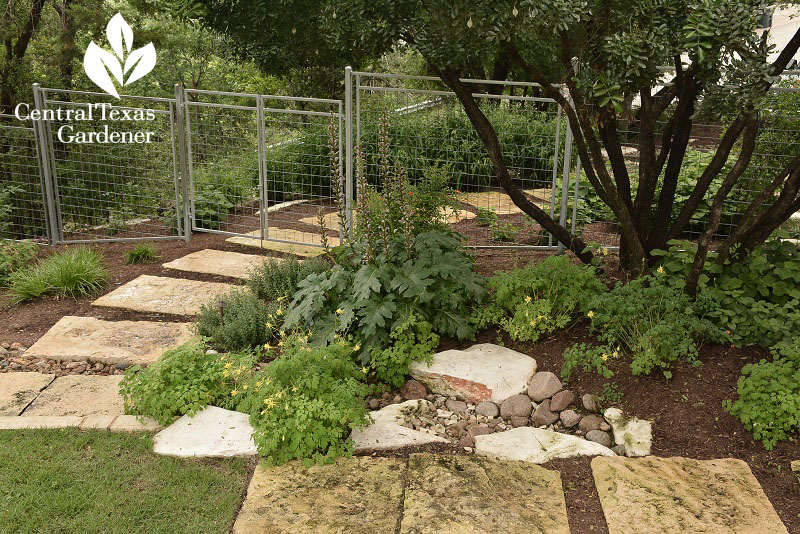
(636, 435)
(212, 432)
(536, 445)
(483, 372)
(387, 431)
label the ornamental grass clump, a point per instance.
(78, 272)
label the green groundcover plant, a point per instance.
(76, 272)
(141, 253)
(538, 299)
(13, 257)
(769, 395)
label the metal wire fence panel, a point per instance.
(222, 139)
(777, 143)
(430, 133)
(22, 205)
(113, 167)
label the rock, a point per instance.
(413, 390)
(3, 351)
(456, 406)
(543, 386)
(561, 400)
(16, 346)
(212, 432)
(466, 441)
(387, 433)
(487, 409)
(374, 404)
(478, 430)
(536, 445)
(592, 403)
(796, 469)
(519, 421)
(598, 436)
(543, 416)
(480, 373)
(397, 399)
(619, 449)
(657, 495)
(516, 406)
(635, 434)
(591, 422)
(218, 262)
(212, 351)
(569, 418)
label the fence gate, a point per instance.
(260, 165)
(111, 170)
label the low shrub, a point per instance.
(305, 403)
(279, 278)
(653, 322)
(77, 272)
(538, 299)
(13, 257)
(141, 253)
(239, 320)
(769, 395)
(183, 381)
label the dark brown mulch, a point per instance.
(686, 410)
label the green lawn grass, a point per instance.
(75, 481)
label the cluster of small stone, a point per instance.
(546, 404)
(13, 359)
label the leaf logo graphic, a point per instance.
(98, 63)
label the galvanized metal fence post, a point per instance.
(50, 200)
(261, 140)
(348, 113)
(180, 111)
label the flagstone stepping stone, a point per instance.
(331, 220)
(219, 262)
(132, 423)
(467, 494)
(636, 435)
(657, 495)
(387, 433)
(500, 202)
(158, 294)
(212, 432)
(483, 372)
(109, 342)
(536, 445)
(39, 421)
(796, 469)
(359, 495)
(303, 246)
(79, 395)
(17, 390)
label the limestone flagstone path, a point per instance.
(425, 494)
(79, 395)
(157, 294)
(17, 390)
(500, 202)
(657, 495)
(466, 494)
(536, 445)
(332, 219)
(211, 432)
(128, 342)
(218, 262)
(304, 246)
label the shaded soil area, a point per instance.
(688, 419)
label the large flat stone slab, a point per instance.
(130, 342)
(212, 432)
(331, 219)
(219, 262)
(303, 243)
(158, 294)
(465, 494)
(39, 421)
(636, 435)
(482, 372)
(500, 202)
(536, 445)
(17, 390)
(657, 495)
(387, 433)
(360, 495)
(79, 395)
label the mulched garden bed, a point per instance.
(688, 419)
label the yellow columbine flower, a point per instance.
(605, 357)
(260, 383)
(339, 311)
(267, 346)
(269, 402)
(270, 316)
(294, 389)
(364, 370)
(615, 354)
(226, 374)
(269, 325)
(279, 311)
(279, 394)
(590, 314)
(357, 347)
(228, 365)
(660, 270)
(234, 392)
(533, 323)
(528, 299)
(604, 251)
(246, 386)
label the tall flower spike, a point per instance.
(337, 179)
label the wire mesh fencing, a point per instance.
(22, 196)
(430, 134)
